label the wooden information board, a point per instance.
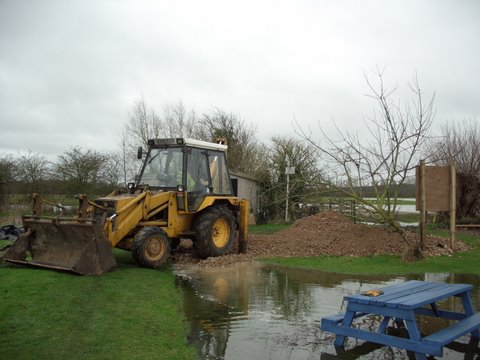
(436, 191)
(437, 188)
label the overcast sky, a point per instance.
(71, 70)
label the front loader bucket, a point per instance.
(63, 245)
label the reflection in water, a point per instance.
(263, 312)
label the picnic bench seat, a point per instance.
(449, 334)
(337, 318)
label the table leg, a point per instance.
(414, 334)
(384, 324)
(412, 328)
(347, 321)
(469, 309)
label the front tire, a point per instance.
(151, 247)
(215, 231)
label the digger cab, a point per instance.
(197, 167)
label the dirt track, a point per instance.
(327, 233)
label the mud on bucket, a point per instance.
(73, 246)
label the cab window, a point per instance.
(221, 184)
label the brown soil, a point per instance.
(327, 233)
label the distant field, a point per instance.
(406, 201)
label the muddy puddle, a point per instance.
(262, 312)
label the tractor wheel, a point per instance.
(151, 247)
(215, 231)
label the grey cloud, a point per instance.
(70, 70)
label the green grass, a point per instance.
(466, 262)
(130, 313)
(408, 217)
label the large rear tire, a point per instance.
(151, 247)
(214, 231)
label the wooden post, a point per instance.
(354, 211)
(288, 194)
(423, 217)
(243, 226)
(37, 205)
(82, 207)
(453, 204)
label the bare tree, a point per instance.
(110, 173)
(240, 137)
(460, 144)
(81, 169)
(179, 122)
(31, 169)
(6, 175)
(126, 157)
(143, 124)
(384, 161)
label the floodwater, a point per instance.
(263, 312)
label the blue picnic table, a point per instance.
(401, 303)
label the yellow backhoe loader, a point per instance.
(183, 191)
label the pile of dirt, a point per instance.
(332, 233)
(327, 233)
